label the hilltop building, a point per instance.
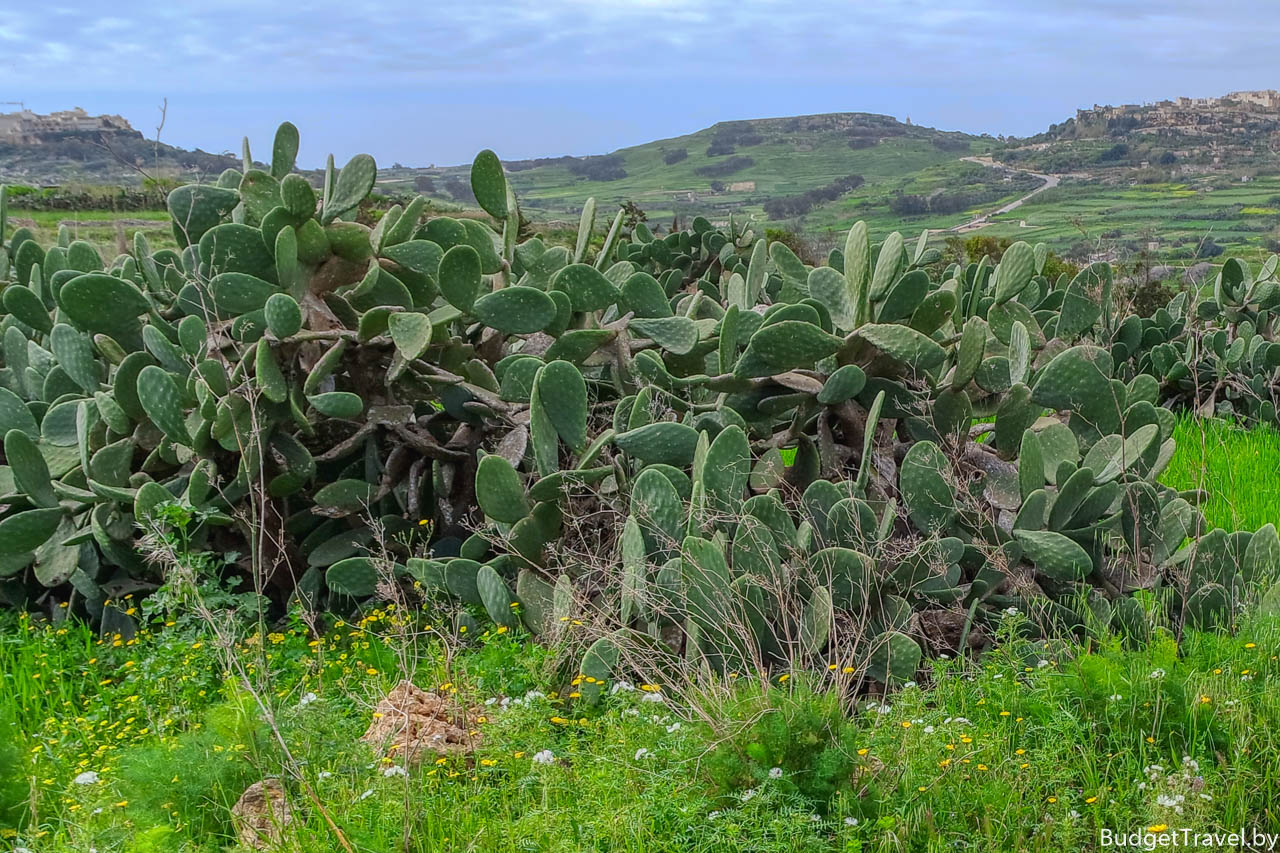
(1233, 105)
(30, 128)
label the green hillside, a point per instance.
(729, 167)
(1172, 181)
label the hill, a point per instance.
(777, 168)
(74, 147)
(1235, 134)
(1175, 180)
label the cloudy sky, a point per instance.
(435, 81)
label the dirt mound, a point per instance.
(409, 722)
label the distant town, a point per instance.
(1190, 112)
(30, 128)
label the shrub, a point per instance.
(801, 741)
(724, 167)
(798, 205)
(605, 167)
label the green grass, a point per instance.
(1176, 217)
(1035, 747)
(97, 227)
(1239, 470)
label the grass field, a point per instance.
(98, 227)
(1236, 467)
(1181, 214)
(144, 744)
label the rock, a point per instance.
(409, 722)
(1198, 272)
(262, 814)
(942, 630)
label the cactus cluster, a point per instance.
(783, 454)
(1216, 354)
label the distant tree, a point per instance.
(717, 186)
(724, 167)
(1208, 249)
(632, 215)
(1168, 158)
(1115, 153)
(904, 204)
(719, 148)
(424, 184)
(605, 167)
(675, 155)
(783, 207)
(460, 190)
(978, 245)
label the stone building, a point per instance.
(29, 128)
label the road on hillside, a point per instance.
(977, 222)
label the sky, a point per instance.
(434, 82)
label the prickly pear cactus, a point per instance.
(727, 455)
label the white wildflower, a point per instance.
(367, 794)
(674, 727)
(395, 770)
(1157, 673)
(546, 756)
(775, 773)
(851, 821)
(1115, 697)
(642, 753)
(307, 699)
(88, 777)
